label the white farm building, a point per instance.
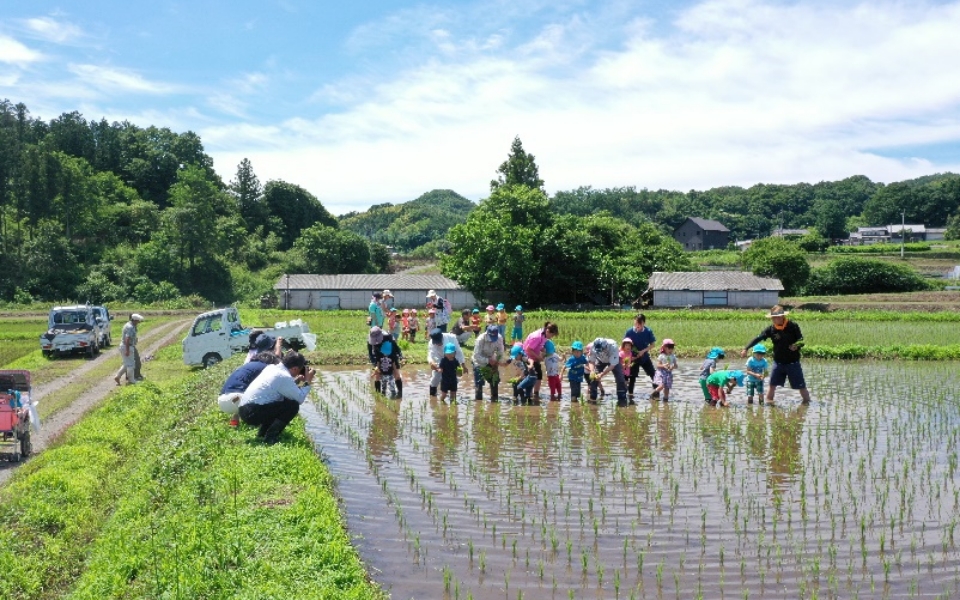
(353, 292)
(736, 289)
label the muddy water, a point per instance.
(855, 495)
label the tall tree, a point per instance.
(520, 168)
(248, 192)
(293, 209)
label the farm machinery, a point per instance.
(18, 413)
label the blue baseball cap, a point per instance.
(450, 348)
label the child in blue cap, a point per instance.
(757, 367)
(574, 368)
(708, 367)
(502, 319)
(527, 378)
(449, 371)
(721, 383)
(518, 319)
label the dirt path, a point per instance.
(56, 424)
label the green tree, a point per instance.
(779, 258)
(520, 168)
(321, 249)
(953, 227)
(291, 209)
(190, 224)
(855, 275)
(248, 194)
(498, 248)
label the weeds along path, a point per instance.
(89, 395)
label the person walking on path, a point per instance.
(128, 350)
(275, 396)
(787, 339)
(643, 339)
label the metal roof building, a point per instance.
(737, 289)
(330, 292)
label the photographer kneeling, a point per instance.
(275, 396)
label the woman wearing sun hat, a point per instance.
(787, 339)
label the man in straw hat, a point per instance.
(787, 341)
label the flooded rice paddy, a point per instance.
(855, 496)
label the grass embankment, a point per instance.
(151, 495)
(846, 334)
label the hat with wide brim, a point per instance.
(777, 312)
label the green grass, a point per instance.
(153, 496)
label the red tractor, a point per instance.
(17, 412)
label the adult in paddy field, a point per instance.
(787, 340)
(643, 339)
(535, 347)
(488, 354)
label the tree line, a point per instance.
(102, 212)
(98, 211)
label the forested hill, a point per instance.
(831, 208)
(107, 212)
(412, 224)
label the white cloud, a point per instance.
(15, 53)
(52, 30)
(738, 92)
(118, 80)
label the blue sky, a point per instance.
(370, 102)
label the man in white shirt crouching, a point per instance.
(275, 396)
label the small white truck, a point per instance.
(79, 328)
(218, 334)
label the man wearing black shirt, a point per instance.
(787, 340)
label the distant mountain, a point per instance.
(412, 224)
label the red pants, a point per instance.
(555, 385)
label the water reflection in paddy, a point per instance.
(855, 495)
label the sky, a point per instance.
(380, 101)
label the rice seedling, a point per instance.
(765, 493)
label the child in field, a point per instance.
(405, 323)
(502, 319)
(414, 324)
(666, 364)
(626, 354)
(394, 323)
(431, 319)
(490, 318)
(526, 377)
(518, 319)
(721, 383)
(574, 368)
(708, 367)
(757, 366)
(386, 367)
(552, 364)
(475, 322)
(450, 369)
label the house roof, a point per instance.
(708, 225)
(366, 282)
(912, 228)
(713, 281)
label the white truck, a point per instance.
(218, 334)
(79, 328)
